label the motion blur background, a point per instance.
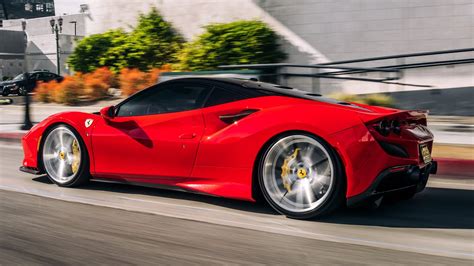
(311, 32)
(410, 54)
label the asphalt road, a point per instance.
(120, 224)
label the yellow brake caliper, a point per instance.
(75, 156)
(285, 170)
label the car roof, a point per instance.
(247, 84)
(269, 89)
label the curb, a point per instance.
(455, 167)
(459, 168)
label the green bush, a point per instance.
(369, 99)
(151, 44)
(92, 52)
(239, 42)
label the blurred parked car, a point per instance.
(26, 82)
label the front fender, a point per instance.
(31, 142)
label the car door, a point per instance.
(155, 134)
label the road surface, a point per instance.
(119, 224)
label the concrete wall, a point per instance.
(349, 29)
(41, 47)
(12, 48)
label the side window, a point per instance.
(49, 76)
(221, 96)
(42, 76)
(33, 76)
(168, 98)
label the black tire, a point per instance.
(82, 174)
(5, 93)
(335, 195)
(22, 91)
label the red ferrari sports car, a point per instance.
(234, 138)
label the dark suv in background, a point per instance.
(26, 82)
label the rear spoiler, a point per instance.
(412, 116)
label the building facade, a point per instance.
(16, 9)
(38, 43)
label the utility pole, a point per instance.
(27, 125)
(56, 28)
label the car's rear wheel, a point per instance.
(5, 92)
(64, 157)
(301, 176)
(22, 91)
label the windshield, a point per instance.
(19, 77)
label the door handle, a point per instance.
(231, 118)
(188, 136)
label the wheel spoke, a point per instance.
(61, 138)
(49, 156)
(319, 162)
(308, 191)
(62, 169)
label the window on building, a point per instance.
(40, 7)
(49, 7)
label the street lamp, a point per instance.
(26, 119)
(56, 28)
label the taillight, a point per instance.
(386, 126)
(383, 127)
(395, 126)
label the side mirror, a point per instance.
(108, 112)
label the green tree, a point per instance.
(239, 42)
(152, 43)
(90, 51)
(158, 42)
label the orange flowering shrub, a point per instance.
(45, 90)
(95, 85)
(68, 91)
(95, 88)
(104, 75)
(133, 80)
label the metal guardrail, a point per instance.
(350, 70)
(464, 50)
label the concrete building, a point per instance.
(40, 51)
(16, 9)
(11, 53)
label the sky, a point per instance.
(67, 6)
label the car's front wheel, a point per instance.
(301, 176)
(5, 92)
(64, 157)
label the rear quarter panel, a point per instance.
(228, 153)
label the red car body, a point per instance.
(195, 150)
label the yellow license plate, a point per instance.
(425, 153)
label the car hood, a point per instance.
(6, 82)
